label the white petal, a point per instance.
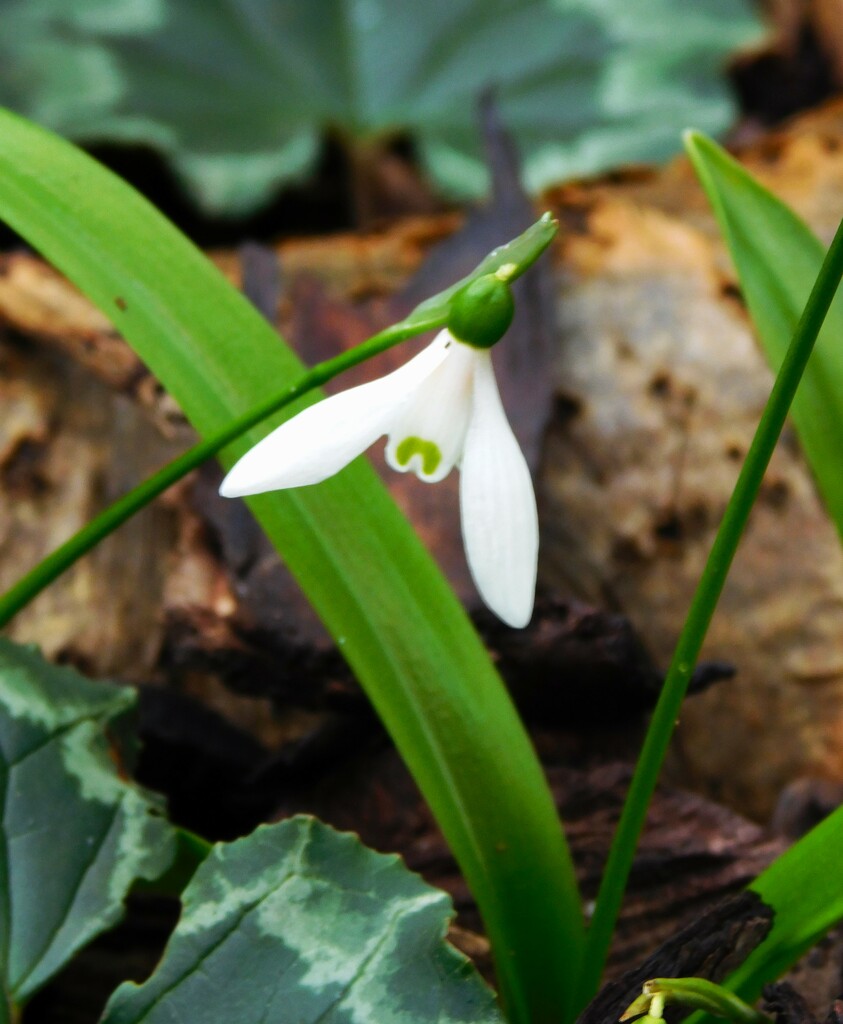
(498, 507)
(325, 437)
(428, 435)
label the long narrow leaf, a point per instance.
(805, 888)
(376, 588)
(777, 258)
(698, 619)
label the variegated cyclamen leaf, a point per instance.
(297, 922)
(238, 92)
(75, 835)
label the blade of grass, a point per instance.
(699, 616)
(398, 623)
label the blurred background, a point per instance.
(289, 115)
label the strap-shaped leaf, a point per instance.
(75, 835)
(300, 923)
(363, 568)
(777, 258)
(803, 887)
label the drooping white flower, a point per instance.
(441, 409)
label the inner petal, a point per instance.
(427, 437)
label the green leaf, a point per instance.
(777, 258)
(238, 92)
(75, 835)
(393, 615)
(803, 886)
(297, 922)
(707, 594)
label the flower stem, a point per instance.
(64, 556)
(699, 616)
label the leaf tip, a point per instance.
(693, 139)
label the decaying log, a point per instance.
(693, 854)
(786, 1005)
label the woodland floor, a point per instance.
(247, 712)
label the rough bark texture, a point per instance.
(787, 1005)
(710, 947)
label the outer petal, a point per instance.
(427, 436)
(498, 506)
(325, 437)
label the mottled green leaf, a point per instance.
(238, 92)
(75, 835)
(300, 923)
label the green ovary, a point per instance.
(430, 454)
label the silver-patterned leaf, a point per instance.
(75, 835)
(238, 92)
(299, 923)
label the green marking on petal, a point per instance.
(430, 453)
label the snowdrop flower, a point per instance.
(441, 409)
